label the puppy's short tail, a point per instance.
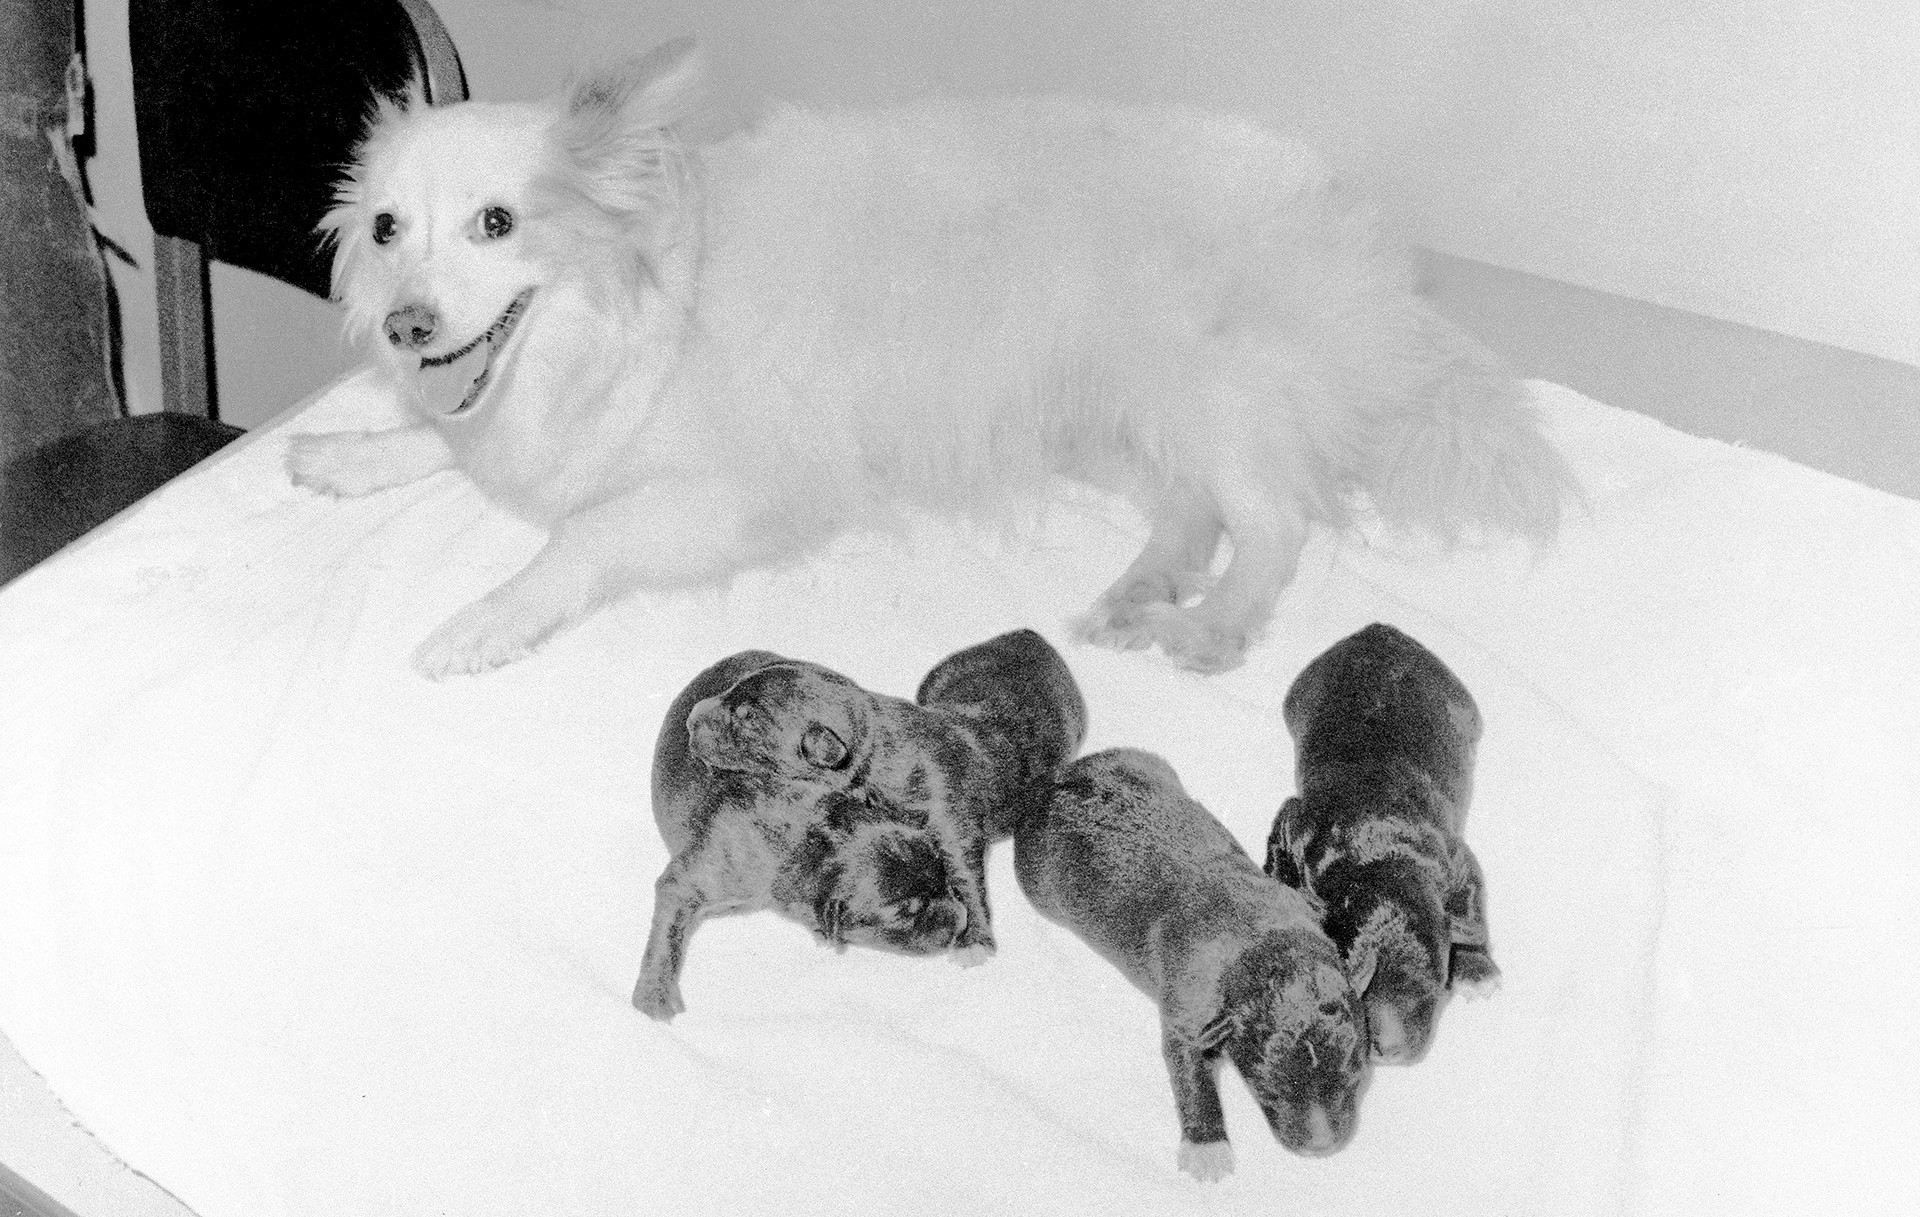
(1465, 455)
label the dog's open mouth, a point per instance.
(451, 383)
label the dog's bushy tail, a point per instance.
(1464, 454)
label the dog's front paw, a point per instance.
(478, 638)
(338, 463)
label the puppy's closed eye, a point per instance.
(822, 749)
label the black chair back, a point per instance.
(247, 112)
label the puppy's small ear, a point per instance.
(1283, 855)
(1363, 959)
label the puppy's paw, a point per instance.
(1209, 1163)
(339, 463)
(478, 638)
(658, 998)
(973, 955)
(1477, 988)
(1474, 975)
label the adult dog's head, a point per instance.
(460, 228)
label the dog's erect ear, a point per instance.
(616, 129)
(655, 90)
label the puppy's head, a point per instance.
(1389, 919)
(790, 720)
(887, 884)
(1293, 1025)
(453, 221)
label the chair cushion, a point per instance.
(61, 490)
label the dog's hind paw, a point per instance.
(1185, 634)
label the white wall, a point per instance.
(1754, 160)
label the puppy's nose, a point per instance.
(411, 327)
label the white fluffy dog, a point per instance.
(686, 361)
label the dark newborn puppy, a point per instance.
(1007, 719)
(1384, 736)
(1237, 963)
(781, 784)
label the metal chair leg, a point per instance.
(186, 327)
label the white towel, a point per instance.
(296, 932)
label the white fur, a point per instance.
(1209, 1163)
(734, 351)
(1476, 990)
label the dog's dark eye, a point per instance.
(385, 227)
(496, 222)
(822, 749)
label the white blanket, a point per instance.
(294, 931)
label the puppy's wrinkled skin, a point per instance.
(689, 358)
(1237, 963)
(1385, 736)
(782, 784)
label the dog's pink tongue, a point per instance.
(445, 388)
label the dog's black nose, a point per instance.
(411, 327)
